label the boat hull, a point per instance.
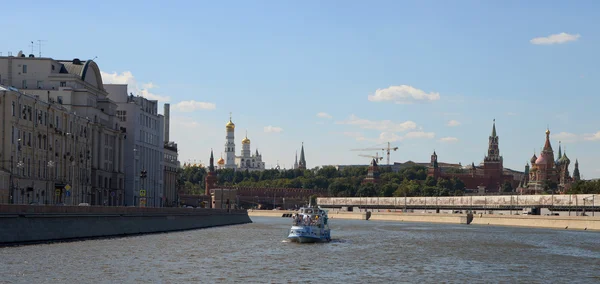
(300, 234)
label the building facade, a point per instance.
(144, 147)
(171, 163)
(247, 160)
(489, 176)
(43, 156)
(548, 174)
(89, 118)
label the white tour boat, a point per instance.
(310, 225)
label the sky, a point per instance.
(342, 75)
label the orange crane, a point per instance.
(387, 149)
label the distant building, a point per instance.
(372, 173)
(171, 163)
(247, 160)
(488, 177)
(144, 147)
(302, 163)
(545, 171)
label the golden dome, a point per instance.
(221, 161)
(230, 125)
(246, 141)
(547, 131)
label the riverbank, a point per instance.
(531, 221)
(20, 224)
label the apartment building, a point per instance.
(82, 129)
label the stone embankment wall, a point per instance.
(567, 200)
(26, 223)
(533, 221)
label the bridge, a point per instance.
(563, 202)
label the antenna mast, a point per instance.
(40, 46)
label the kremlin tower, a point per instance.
(230, 144)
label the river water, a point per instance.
(361, 252)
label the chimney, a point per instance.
(167, 120)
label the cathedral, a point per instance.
(247, 160)
(546, 172)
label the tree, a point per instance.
(506, 187)
(367, 189)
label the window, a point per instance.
(12, 137)
(24, 84)
(40, 84)
(13, 108)
(63, 84)
(59, 99)
(24, 69)
(52, 67)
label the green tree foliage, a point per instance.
(585, 187)
(348, 182)
(507, 187)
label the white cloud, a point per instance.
(419, 134)
(555, 39)
(453, 123)
(389, 137)
(189, 106)
(183, 122)
(565, 137)
(273, 129)
(356, 135)
(403, 94)
(133, 86)
(381, 125)
(592, 137)
(449, 139)
(324, 115)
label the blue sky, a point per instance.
(280, 63)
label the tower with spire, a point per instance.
(576, 175)
(211, 178)
(372, 173)
(230, 144)
(493, 162)
(296, 161)
(302, 163)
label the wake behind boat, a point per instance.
(310, 225)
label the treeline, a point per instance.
(585, 187)
(348, 182)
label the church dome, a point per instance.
(230, 125)
(541, 159)
(533, 159)
(564, 159)
(221, 161)
(246, 140)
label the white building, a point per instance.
(84, 113)
(144, 147)
(247, 160)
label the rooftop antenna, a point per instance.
(40, 46)
(94, 58)
(32, 45)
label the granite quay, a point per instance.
(30, 224)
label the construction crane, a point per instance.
(376, 157)
(387, 149)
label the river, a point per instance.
(361, 252)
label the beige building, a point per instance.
(80, 127)
(44, 150)
(171, 163)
